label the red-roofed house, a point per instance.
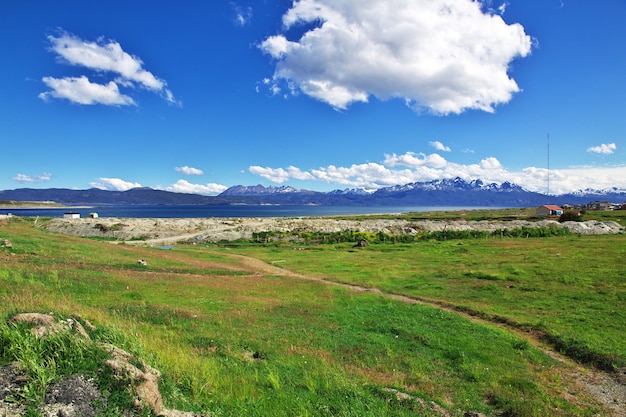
(548, 210)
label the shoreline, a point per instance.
(42, 206)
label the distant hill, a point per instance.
(95, 195)
(448, 192)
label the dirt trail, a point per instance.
(162, 241)
(608, 389)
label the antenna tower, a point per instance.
(548, 165)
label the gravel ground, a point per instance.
(165, 231)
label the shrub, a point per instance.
(104, 228)
(570, 216)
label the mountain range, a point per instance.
(454, 192)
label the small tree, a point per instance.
(570, 216)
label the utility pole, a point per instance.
(548, 166)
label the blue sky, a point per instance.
(196, 96)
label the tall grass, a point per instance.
(45, 360)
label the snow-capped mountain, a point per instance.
(455, 184)
(444, 193)
(259, 190)
(352, 191)
(590, 192)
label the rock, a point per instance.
(33, 318)
(145, 382)
(46, 324)
(78, 328)
(429, 405)
(399, 395)
(88, 325)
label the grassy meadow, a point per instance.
(238, 338)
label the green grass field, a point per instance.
(572, 289)
(239, 339)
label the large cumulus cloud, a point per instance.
(443, 56)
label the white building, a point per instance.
(549, 210)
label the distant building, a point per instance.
(599, 205)
(93, 215)
(71, 215)
(548, 210)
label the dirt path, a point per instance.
(161, 241)
(607, 389)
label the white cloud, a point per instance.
(114, 184)
(445, 57)
(279, 175)
(439, 146)
(102, 57)
(598, 178)
(277, 46)
(418, 167)
(189, 170)
(604, 149)
(243, 15)
(82, 91)
(368, 176)
(32, 179)
(183, 186)
(414, 160)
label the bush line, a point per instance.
(350, 236)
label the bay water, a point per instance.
(220, 211)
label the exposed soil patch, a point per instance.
(12, 381)
(75, 395)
